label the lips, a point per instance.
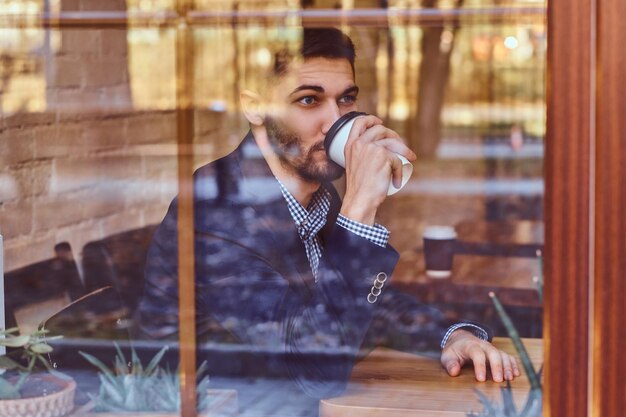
(319, 146)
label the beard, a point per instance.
(288, 146)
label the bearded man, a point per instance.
(284, 265)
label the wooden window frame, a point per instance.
(585, 229)
(585, 255)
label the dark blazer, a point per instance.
(254, 285)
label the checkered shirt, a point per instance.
(476, 330)
(310, 221)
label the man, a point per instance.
(285, 263)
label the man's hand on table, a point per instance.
(463, 346)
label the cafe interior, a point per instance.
(108, 107)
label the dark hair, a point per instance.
(319, 43)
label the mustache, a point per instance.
(319, 146)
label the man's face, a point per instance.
(305, 104)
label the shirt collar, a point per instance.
(308, 221)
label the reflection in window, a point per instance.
(88, 171)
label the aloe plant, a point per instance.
(532, 408)
(534, 401)
(31, 349)
(538, 280)
(131, 387)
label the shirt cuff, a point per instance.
(376, 234)
(475, 329)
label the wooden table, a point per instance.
(505, 232)
(395, 384)
(475, 271)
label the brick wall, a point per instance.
(89, 69)
(83, 176)
(92, 165)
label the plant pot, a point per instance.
(56, 404)
(223, 404)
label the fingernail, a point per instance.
(508, 376)
(481, 377)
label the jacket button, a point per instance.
(375, 291)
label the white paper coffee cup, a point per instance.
(335, 144)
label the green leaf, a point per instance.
(106, 375)
(8, 363)
(517, 342)
(31, 363)
(9, 331)
(8, 391)
(15, 341)
(20, 382)
(486, 403)
(113, 391)
(49, 338)
(120, 354)
(534, 404)
(152, 366)
(120, 367)
(40, 348)
(97, 363)
(507, 401)
(204, 366)
(137, 368)
(53, 371)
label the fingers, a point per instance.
(396, 171)
(451, 363)
(363, 123)
(396, 145)
(496, 363)
(507, 370)
(370, 129)
(516, 371)
(463, 346)
(478, 357)
(503, 366)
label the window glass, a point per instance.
(309, 301)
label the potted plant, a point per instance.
(24, 393)
(534, 401)
(129, 388)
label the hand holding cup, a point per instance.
(337, 139)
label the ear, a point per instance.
(252, 106)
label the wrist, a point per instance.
(360, 209)
(458, 334)
(361, 213)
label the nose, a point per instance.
(330, 116)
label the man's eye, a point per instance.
(307, 101)
(350, 99)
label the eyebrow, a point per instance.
(315, 88)
(354, 89)
(319, 89)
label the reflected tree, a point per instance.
(6, 70)
(424, 130)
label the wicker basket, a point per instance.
(57, 404)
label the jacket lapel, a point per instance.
(263, 213)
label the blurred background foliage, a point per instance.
(469, 77)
